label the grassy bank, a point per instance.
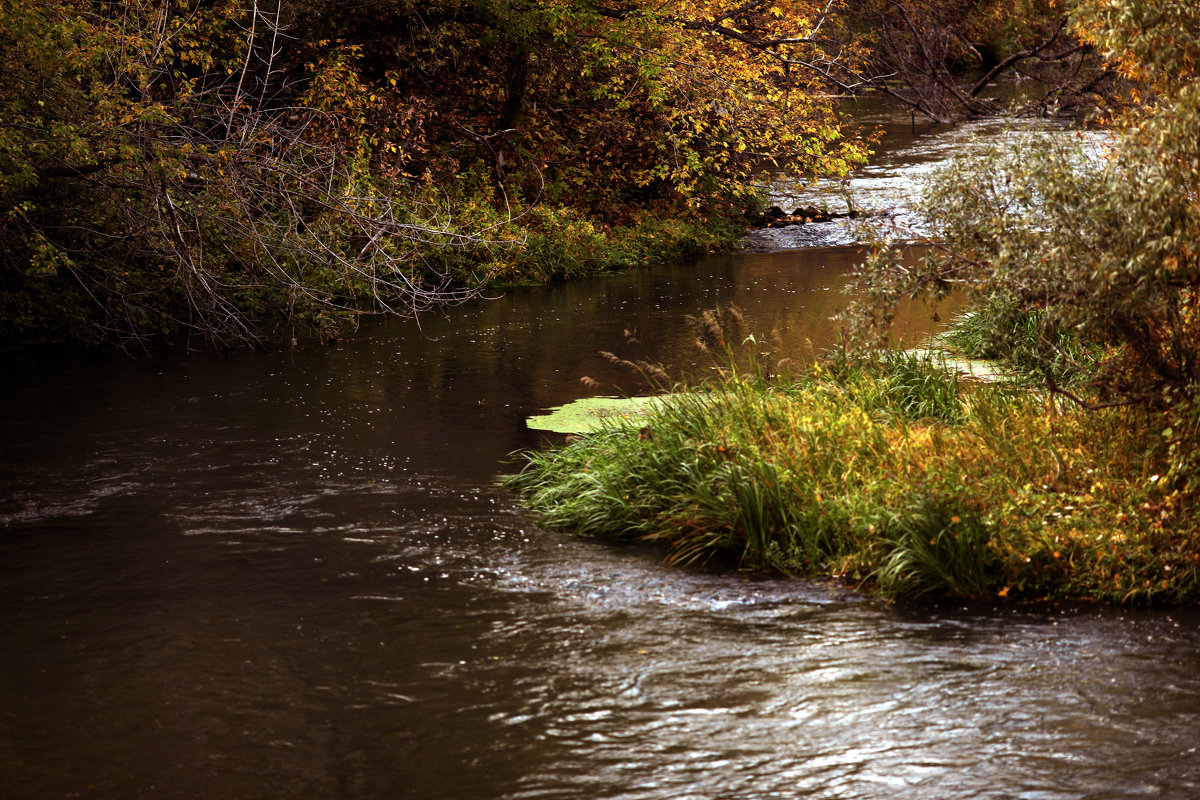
(899, 479)
(524, 246)
(548, 243)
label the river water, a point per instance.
(292, 575)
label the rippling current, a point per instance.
(292, 575)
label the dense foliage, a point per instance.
(1089, 245)
(235, 169)
(894, 476)
(156, 178)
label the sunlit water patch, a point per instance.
(885, 192)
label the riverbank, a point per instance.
(903, 481)
(547, 243)
(530, 247)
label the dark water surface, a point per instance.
(291, 575)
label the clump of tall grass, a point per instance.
(930, 550)
(906, 385)
(1025, 341)
(884, 476)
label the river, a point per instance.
(292, 575)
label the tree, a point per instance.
(158, 177)
(939, 59)
(603, 105)
(1098, 245)
(238, 169)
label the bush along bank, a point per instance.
(546, 243)
(897, 478)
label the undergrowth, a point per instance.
(1026, 342)
(543, 242)
(895, 477)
